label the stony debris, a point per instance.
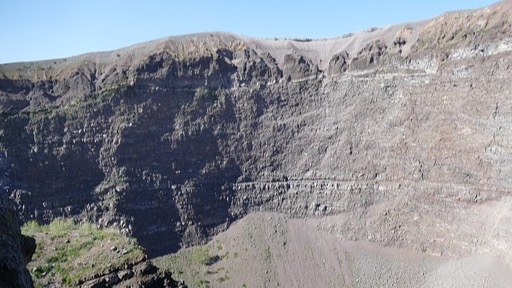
(140, 273)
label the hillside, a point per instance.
(399, 135)
(272, 250)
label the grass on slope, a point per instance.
(67, 252)
(196, 265)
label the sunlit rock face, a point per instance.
(403, 131)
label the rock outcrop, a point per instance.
(140, 273)
(16, 250)
(402, 130)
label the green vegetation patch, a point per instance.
(194, 265)
(67, 251)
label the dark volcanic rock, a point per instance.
(339, 63)
(141, 273)
(16, 250)
(254, 68)
(298, 66)
(370, 55)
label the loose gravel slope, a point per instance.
(272, 250)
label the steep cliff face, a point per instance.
(16, 250)
(174, 139)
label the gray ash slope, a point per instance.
(401, 131)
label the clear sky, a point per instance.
(45, 29)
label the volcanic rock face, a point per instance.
(16, 250)
(401, 131)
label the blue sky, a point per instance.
(36, 29)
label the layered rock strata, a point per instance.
(401, 130)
